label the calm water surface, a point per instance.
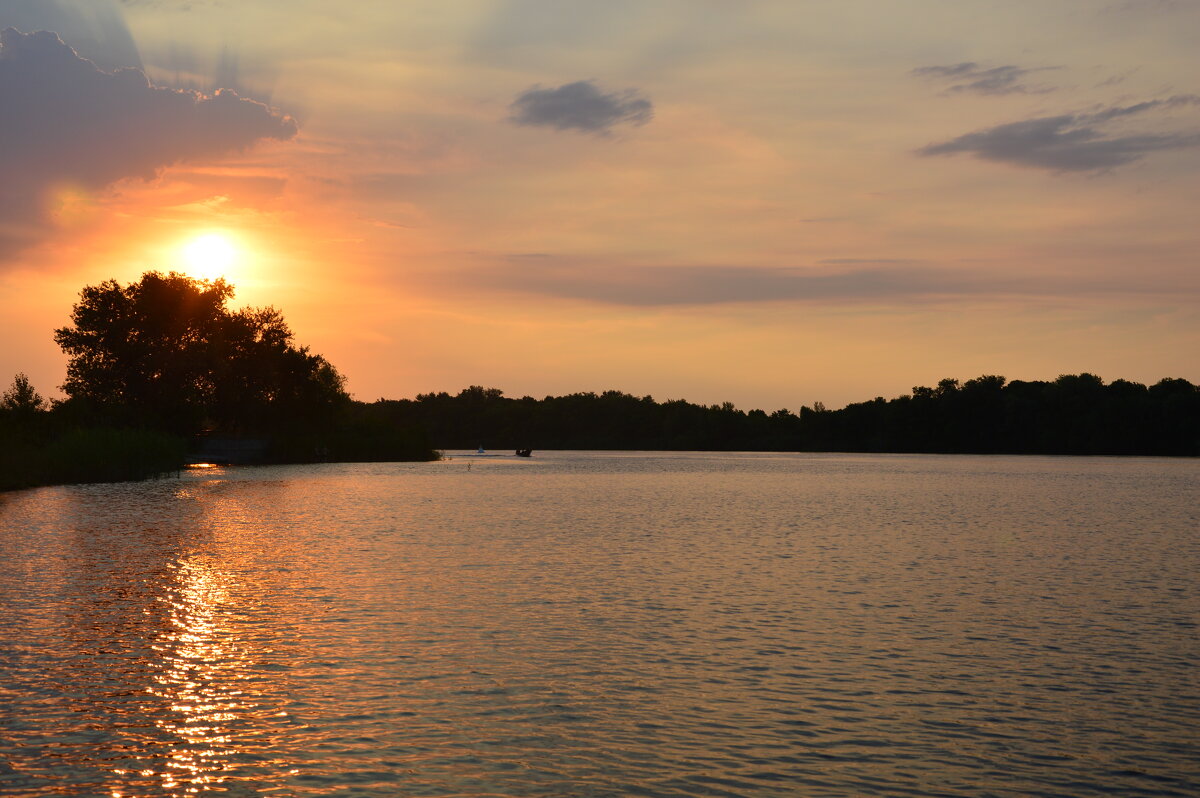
(602, 624)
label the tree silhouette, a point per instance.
(167, 352)
(21, 399)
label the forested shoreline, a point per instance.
(159, 366)
(1072, 415)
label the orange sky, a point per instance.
(770, 203)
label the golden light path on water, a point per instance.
(206, 676)
(203, 674)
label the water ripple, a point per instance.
(608, 625)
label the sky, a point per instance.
(767, 202)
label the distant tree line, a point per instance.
(1074, 414)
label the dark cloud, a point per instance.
(971, 77)
(580, 106)
(1081, 142)
(95, 29)
(67, 124)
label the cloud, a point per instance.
(95, 29)
(1070, 142)
(68, 125)
(864, 261)
(844, 281)
(632, 285)
(580, 106)
(971, 77)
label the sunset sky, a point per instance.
(768, 202)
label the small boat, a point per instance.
(480, 453)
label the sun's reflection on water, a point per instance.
(208, 679)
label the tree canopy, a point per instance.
(166, 351)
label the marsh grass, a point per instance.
(88, 455)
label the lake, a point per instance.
(608, 624)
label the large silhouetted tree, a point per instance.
(166, 351)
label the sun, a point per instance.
(211, 255)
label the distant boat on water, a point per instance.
(481, 452)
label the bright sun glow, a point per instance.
(210, 256)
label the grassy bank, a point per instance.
(88, 455)
(85, 455)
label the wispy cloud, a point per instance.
(838, 281)
(580, 106)
(545, 274)
(1080, 142)
(969, 76)
(865, 261)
